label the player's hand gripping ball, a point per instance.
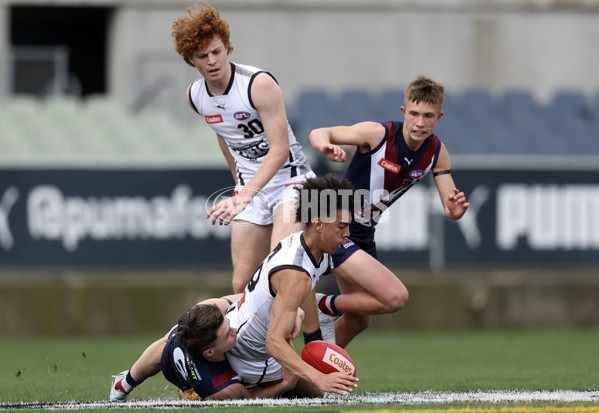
(328, 358)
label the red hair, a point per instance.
(199, 27)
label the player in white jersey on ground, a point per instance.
(245, 108)
(265, 314)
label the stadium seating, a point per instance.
(357, 105)
(391, 103)
(572, 118)
(475, 122)
(67, 129)
(314, 109)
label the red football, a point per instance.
(328, 358)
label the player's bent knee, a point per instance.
(238, 285)
(396, 301)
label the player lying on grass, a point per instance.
(266, 317)
(192, 357)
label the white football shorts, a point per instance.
(263, 205)
(256, 371)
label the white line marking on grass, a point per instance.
(561, 396)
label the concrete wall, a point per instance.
(336, 46)
(124, 303)
(539, 45)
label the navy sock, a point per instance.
(327, 305)
(129, 383)
(317, 335)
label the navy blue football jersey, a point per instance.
(205, 377)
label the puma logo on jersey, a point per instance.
(213, 119)
(389, 166)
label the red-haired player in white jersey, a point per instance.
(244, 106)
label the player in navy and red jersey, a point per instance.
(205, 375)
(192, 357)
(390, 158)
(391, 166)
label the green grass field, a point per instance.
(73, 368)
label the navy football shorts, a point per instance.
(350, 246)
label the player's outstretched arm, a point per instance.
(223, 302)
(292, 287)
(233, 392)
(454, 202)
(365, 135)
(239, 391)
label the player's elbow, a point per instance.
(279, 153)
(239, 285)
(272, 345)
(280, 147)
(313, 137)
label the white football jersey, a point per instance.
(251, 313)
(234, 117)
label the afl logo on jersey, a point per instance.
(416, 174)
(241, 115)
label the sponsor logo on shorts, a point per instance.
(213, 119)
(389, 166)
(241, 115)
(348, 243)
